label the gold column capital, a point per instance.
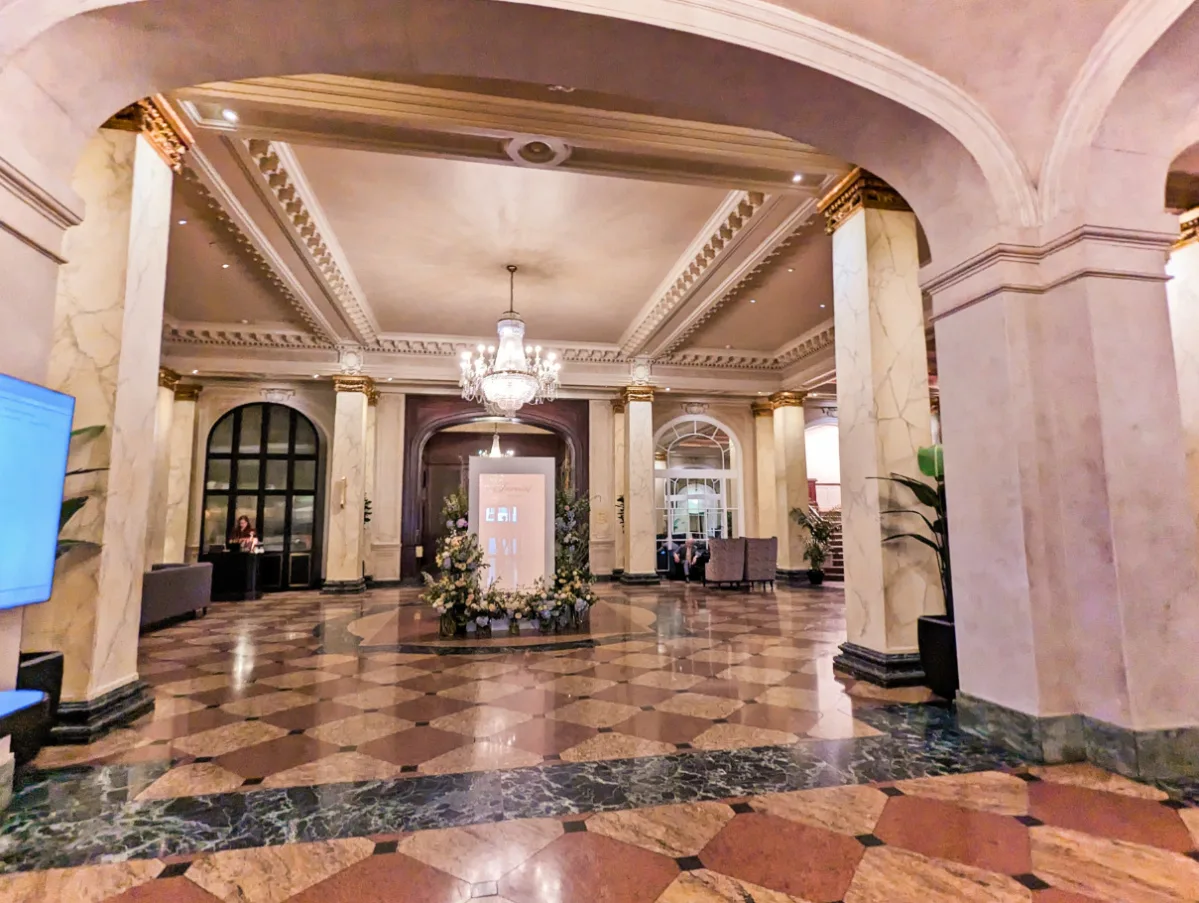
(372, 395)
(618, 405)
(636, 393)
(363, 384)
(154, 118)
(858, 190)
(787, 400)
(762, 408)
(934, 403)
(1188, 228)
(168, 378)
(187, 393)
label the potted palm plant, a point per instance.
(935, 633)
(820, 536)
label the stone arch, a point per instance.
(1133, 108)
(748, 63)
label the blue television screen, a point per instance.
(35, 432)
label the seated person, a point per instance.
(686, 557)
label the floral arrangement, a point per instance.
(459, 597)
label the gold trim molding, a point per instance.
(617, 405)
(762, 408)
(188, 393)
(363, 384)
(857, 191)
(153, 117)
(1188, 228)
(372, 395)
(787, 400)
(168, 378)
(637, 393)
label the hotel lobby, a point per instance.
(622, 452)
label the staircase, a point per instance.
(834, 568)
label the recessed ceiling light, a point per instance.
(822, 305)
(194, 372)
(728, 346)
(753, 300)
(247, 321)
(798, 177)
(390, 378)
(790, 269)
(229, 116)
(183, 222)
(224, 266)
(668, 388)
(316, 376)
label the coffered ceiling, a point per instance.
(319, 212)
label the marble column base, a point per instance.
(616, 573)
(84, 722)
(372, 583)
(792, 577)
(344, 587)
(7, 767)
(1147, 755)
(630, 579)
(881, 668)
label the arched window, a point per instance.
(264, 463)
(696, 482)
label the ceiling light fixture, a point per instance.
(564, 89)
(508, 377)
(229, 116)
(245, 321)
(798, 177)
(316, 376)
(194, 372)
(224, 266)
(668, 388)
(790, 269)
(390, 378)
(183, 222)
(822, 305)
(753, 300)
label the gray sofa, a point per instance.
(172, 590)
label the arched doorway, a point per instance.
(265, 461)
(697, 483)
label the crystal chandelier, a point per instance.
(507, 377)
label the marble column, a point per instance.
(768, 522)
(179, 473)
(156, 514)
(602, 487)
(1076, 584)
(1182, 295)
(108, 319)
(790, 482)
(641, 550)
(883, 419)
(621, 472)
(387, 500)
(368, 489)
(343, 555)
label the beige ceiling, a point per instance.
(200, 288)
(428, 239)
(793, 295)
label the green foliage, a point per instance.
(931, 461)
(820, 535)
(572, 532)
(71, 506)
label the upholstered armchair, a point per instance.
(727, 562)
(761, 561)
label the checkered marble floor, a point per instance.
(1066, 834)
(283, 692)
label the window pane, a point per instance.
(276, 475)
(305, 476)
(302, 511)
(250, 441)
(216, 511)
(247, 473)
(278, 425)
(222, 437)
(305, 437)
(274, 509)
(248, 505)
(218, 474)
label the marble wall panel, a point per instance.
(1182, 292)
(620, 475)
(179, 472)
(639, 482)
(602, 479)
(368, 488)
(347, 464)
(883, 418)
(108, 319)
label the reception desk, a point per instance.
(234, 575)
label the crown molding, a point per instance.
(1188, 228)
(177, 332)
(720, 235)
(720, 359)
(748, 275)
(811, 342)
(153, 118)
(228, 211)
(275, 168)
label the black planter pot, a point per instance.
(815, 577)
(938, 654)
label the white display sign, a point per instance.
(512, 513)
